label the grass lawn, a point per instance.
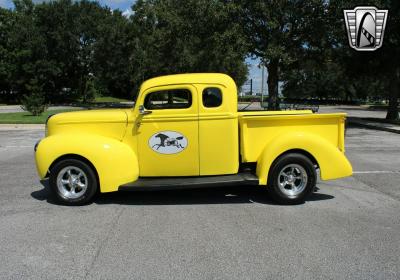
(27, 118)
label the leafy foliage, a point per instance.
(90, 91)
(63, 44)
(279, 33)
(188, 36)
(331, 69)
(61, 51)
(34, 102)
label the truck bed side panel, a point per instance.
(257, 131)
(263, 138)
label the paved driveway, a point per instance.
(349, 229)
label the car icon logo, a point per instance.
(365, 27)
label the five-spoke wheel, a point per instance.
(73, 181)
(291, 178)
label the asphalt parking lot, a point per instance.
(349, 229)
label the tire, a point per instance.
(291, 179)
(73, 182)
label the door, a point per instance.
(168, 136)
(218, 130)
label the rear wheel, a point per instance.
(73, 182)
(291, 179)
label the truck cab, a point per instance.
(185, 131)
(199, 115)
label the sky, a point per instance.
(122, 5)
(125, 7)
(255, 74)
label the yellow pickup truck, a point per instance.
(185, 131)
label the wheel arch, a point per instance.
(115, 163)
(73, 156)
(294, 151)
(328, 158)
(302, 152)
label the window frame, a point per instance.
(189, 104)
(202, 97)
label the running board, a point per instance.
(164, 183)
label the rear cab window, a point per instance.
(212, 97)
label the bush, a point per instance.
(35, 101)
(90, 91)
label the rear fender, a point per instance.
(332, 162)
(115, 162)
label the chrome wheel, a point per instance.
(292, 180)
(72, 182)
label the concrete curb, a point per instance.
(22, 127)
(369, 125)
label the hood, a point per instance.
(106, 122)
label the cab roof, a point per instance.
(192, 78)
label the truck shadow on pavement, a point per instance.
(219, 195)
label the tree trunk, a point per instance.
(273, 78)
(393, 110)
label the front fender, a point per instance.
(115, 162)
(332, 162)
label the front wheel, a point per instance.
(291, 179)
(73, 181)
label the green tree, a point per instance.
(7, 20)
(278, 33)
(71, 31)
(113, 56)
(329, 68)
(188, 36)
(315, 79)
(90, 91)
(371, 74)
(34, 102)
(391, 58)
(28, 55)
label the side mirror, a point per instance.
(143, 111)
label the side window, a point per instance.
(168, 99)
(212, 97)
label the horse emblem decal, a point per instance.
(168, 142)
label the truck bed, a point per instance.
(257, 128)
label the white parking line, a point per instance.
(376, 172)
